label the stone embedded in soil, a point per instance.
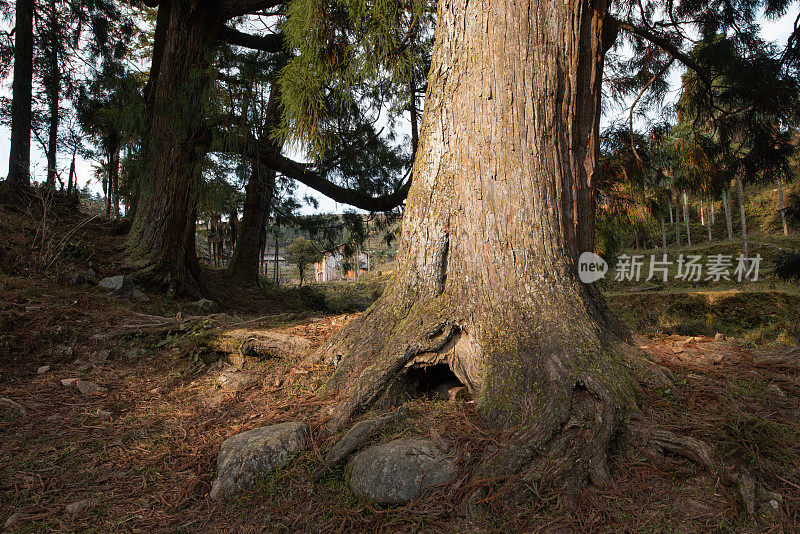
(719, 337)
(775, 388)
(79, 277)
(12, 520)
(68, 382)
(255, 453)
(79, 506)
(120, 285)
(90, 388)
(205, 306)
(123, 286)
(43, 369)
(233, 381)
(399, 471)
(451, 391)
(360, 435)
(64, 350)
(14, 406)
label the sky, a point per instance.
(776, 31)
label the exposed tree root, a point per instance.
(564, 448)
(357, 437)
(262, 344)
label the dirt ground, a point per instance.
(140, 455)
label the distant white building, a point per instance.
(331, 267)
(268, 260)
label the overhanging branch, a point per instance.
(306, 175)
(266, 43)
(670, 48)
(236, 8)
(270, 156)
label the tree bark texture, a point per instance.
(686, 218)
(782, 206)
(500, 209)
(742, 217)
(19, 160)
(726, 204)
(162, 234)
(246, 256)
(53, 90)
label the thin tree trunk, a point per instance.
(113, 176)
(677, 235)
(277, 276)
(702, 212)
(19, 158)
(782, 207)
(72, 179)
(663, 235)
(726, 204)
(160, 242)
(686, 218)
(671, 220)
(743, 219)
(713, 210)
(510, 127)
(708, 220)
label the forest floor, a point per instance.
(140, 456)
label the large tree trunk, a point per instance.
(53, 90)
(245, 260)
(500, 209)
(19, 159)
(160, 245)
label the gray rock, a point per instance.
(79, 506)
(234, 381)
(775, 388)
(43, 369)
(79, 277)
(64, 350)
(359, 436)
(12, 520)
(90, 388)
(15, 406)
(138, 296)
(719, 337)
(255, 453)
(123, 286)
(451, 391)
(120, 285)
(205, 306)
(68, 382)
(399, 471)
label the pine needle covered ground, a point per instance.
(140, 456)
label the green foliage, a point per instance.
(302, 253)
(787, 266)
(352, 58)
